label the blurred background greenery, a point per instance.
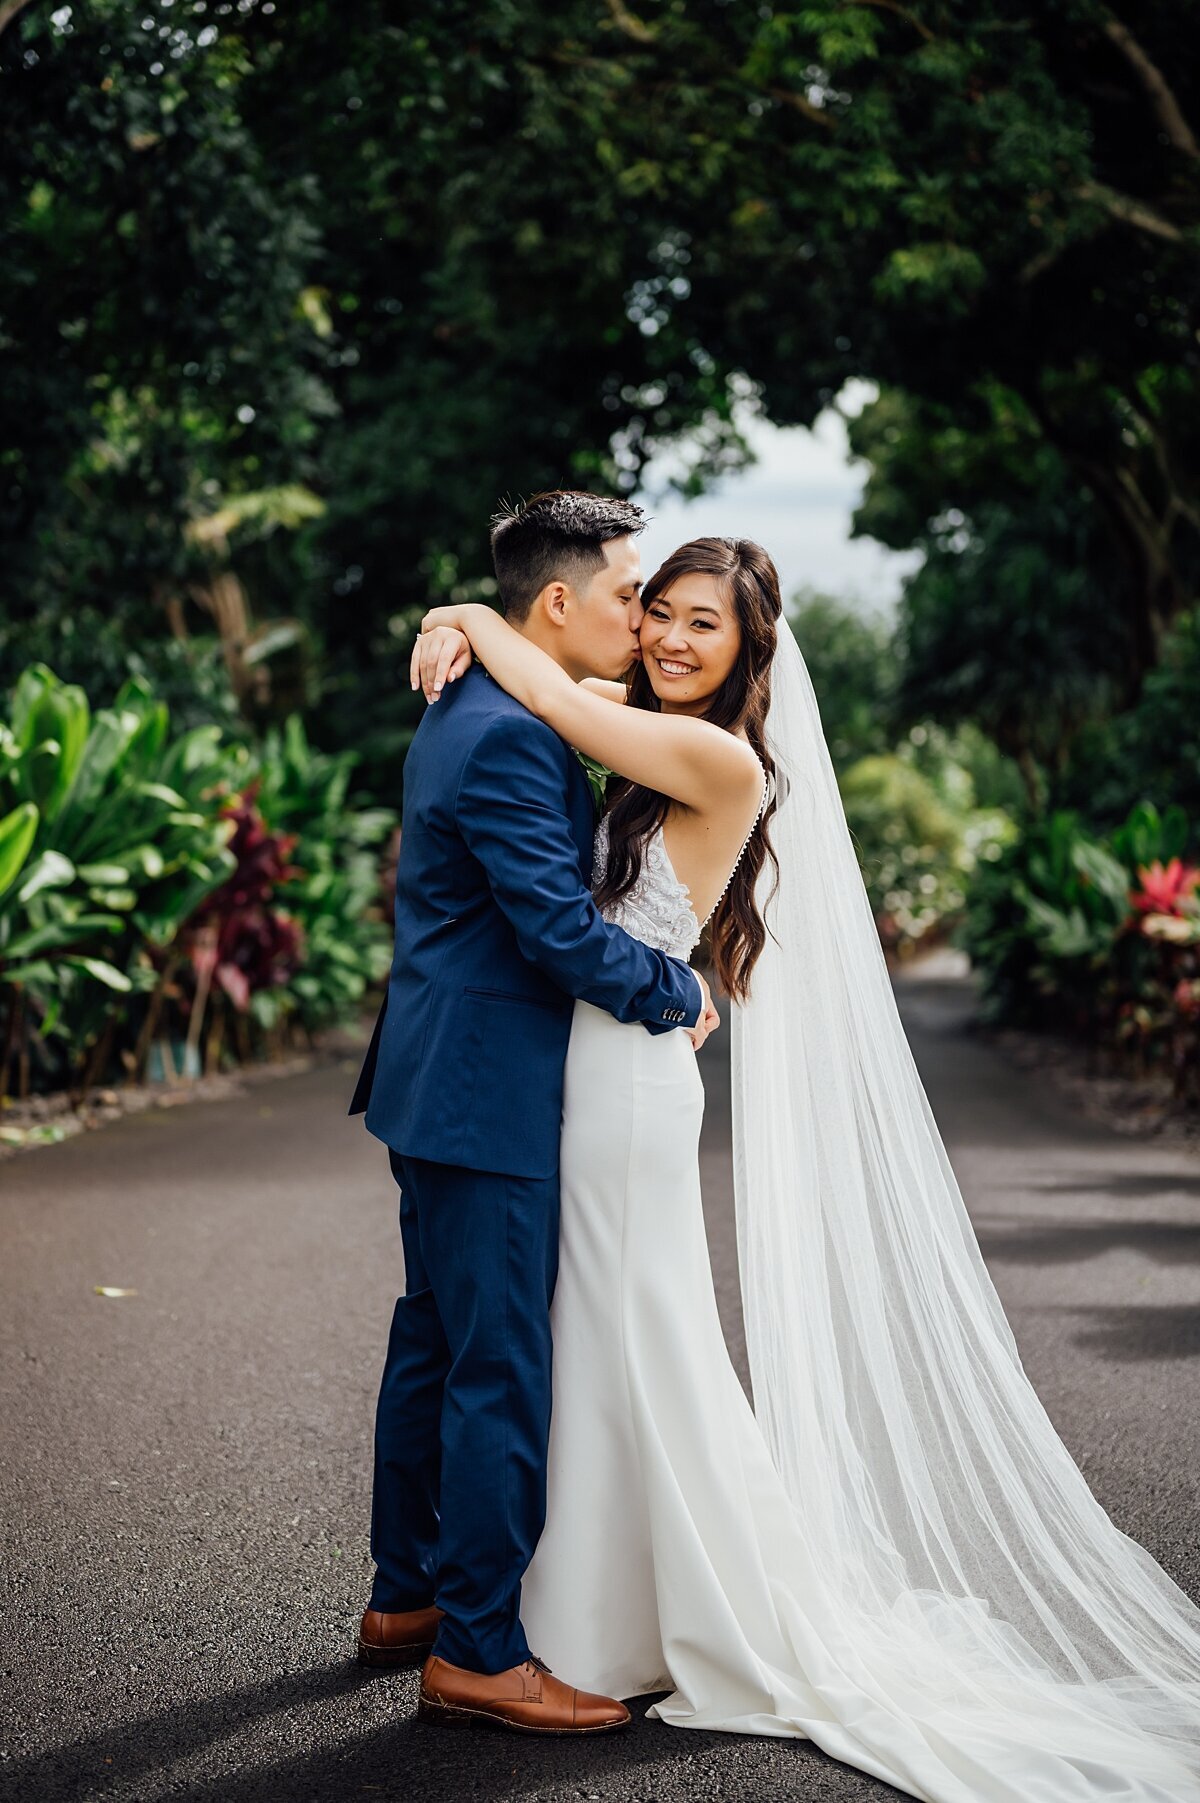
(290, 296)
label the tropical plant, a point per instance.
(1042, 919)
(122, 839)
(143, 874)
(1101, 938)
(334, 893)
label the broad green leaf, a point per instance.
(58, 933)
(104, 875)
(49, 871)
(17, 833)
(160, 792)
(102, 972)
(28, 975)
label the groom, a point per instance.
(496, 935)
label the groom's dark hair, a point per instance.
(555, 537)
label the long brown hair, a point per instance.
(750, 584)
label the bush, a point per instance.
(919, 834)
(137, 872)
(119, 841)
(333, 892)
(1099, 937)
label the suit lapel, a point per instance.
(582, 813)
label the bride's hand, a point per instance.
(440, 655)
(709, 1019)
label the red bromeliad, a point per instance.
(239, 939)
(1165, 888)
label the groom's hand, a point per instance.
(439, 656)
(709, 1019)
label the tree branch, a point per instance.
(901, 12)
(1166, 107)
(1129, 211)
(630, 24)
(9, 10)
(816, 114)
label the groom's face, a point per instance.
(608, 614)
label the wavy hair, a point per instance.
(750, 584)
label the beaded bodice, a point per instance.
(658, 909)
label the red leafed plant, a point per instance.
(1165, 888)
(238, 939)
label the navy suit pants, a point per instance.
(463, 1418)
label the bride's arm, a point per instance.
(443, 655)
(690, 760)
(611, 691)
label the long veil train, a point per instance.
(1032, 1651)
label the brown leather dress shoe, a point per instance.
(399, 1637)
(527, 1698)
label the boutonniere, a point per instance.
(597, 775)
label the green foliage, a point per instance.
(155, 355)
(924, 805)
(1044, 918)
(1098, 937)
(239, 264)
(121, 841)
(852, 661)
(336, 896)
(920, 834)
(1149, 750)
(114, 831)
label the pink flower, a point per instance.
(1165, 888)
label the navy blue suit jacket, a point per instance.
(496, 935)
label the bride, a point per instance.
(893, 1553)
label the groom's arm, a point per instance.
(511, 809)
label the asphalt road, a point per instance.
(185, 1473)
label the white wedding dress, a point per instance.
(674, 1558)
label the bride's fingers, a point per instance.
(446, 656)
(431, 650)
(414, 663)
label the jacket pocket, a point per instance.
(505, 995)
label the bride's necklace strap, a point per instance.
(762, 808)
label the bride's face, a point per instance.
(690, 640)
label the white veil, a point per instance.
(989, 1601)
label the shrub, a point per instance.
(919, 835)
(121, 842)
(141, 872)
(1097, 937)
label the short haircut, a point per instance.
(555, 537)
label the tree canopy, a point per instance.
(406, 263)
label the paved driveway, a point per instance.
(185, 1472)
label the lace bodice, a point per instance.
(657, 910)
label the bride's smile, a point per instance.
(690, 642)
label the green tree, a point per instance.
(468, 248)
(156, 356)
(852, 662)
(1016, 618)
